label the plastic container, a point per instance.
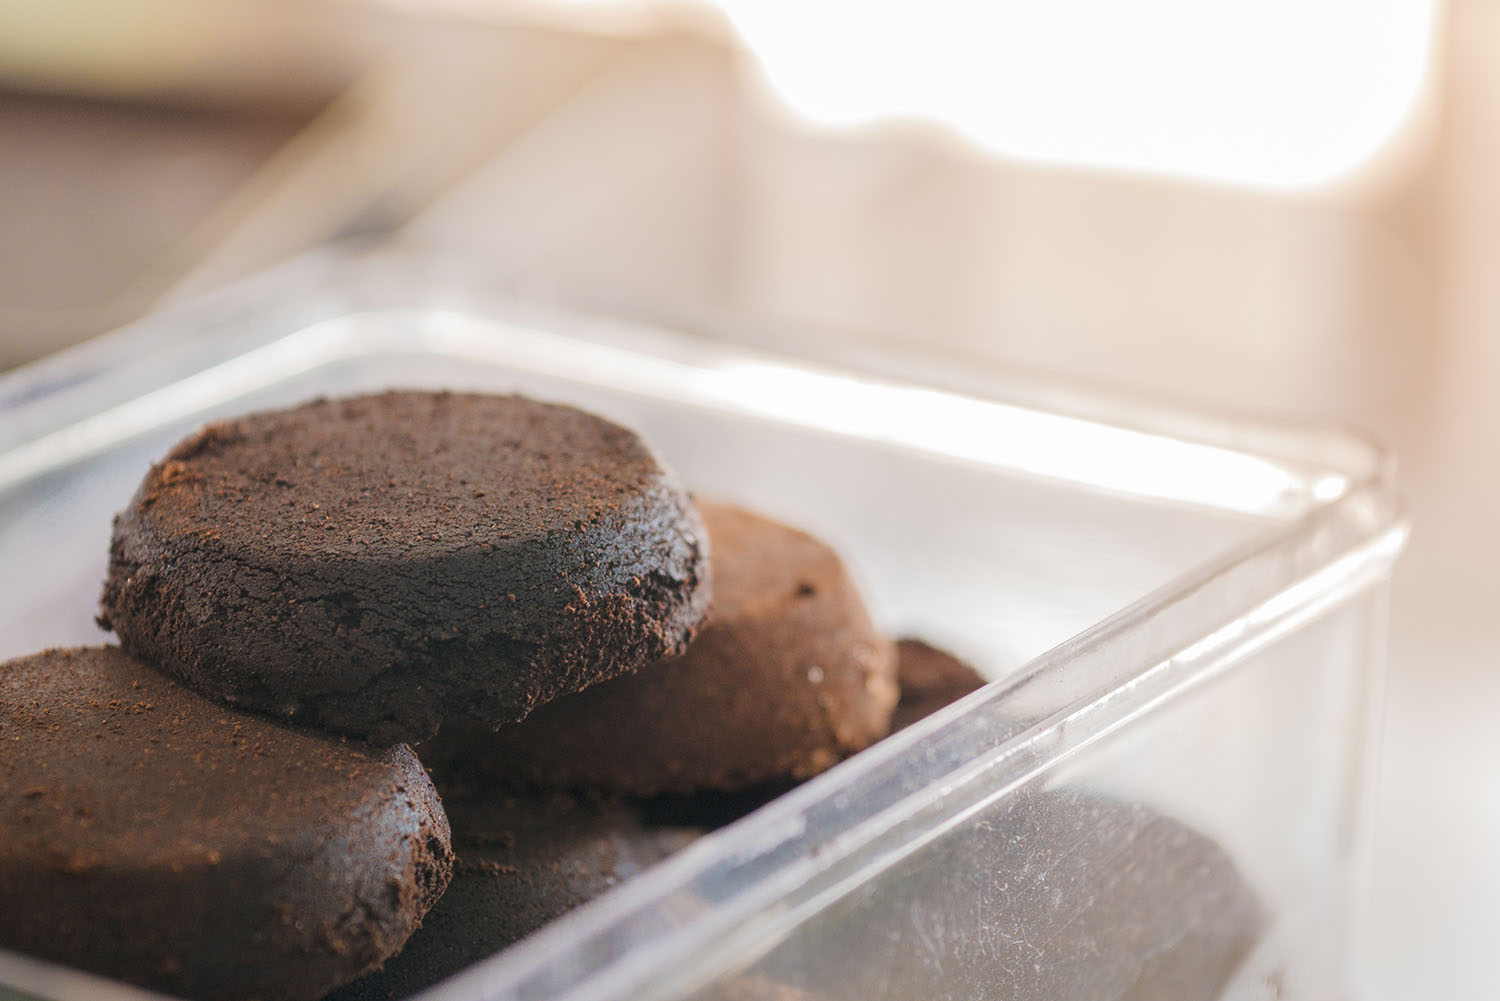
(1183, 617)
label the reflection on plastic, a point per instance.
(960, 427)
(1065, 895)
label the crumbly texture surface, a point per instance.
(930, 679)
(522, 862)
(150, 835)
(371, 565)
(786, 677)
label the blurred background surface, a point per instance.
(1275, 208)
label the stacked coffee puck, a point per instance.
(228, 804)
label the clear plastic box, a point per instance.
(1183, 618)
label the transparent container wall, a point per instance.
(1157, 799)
(999, 568)
(1205, 851)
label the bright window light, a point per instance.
(1270, 93)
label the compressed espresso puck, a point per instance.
(1064, 894)
(786, 676)
(930, 679)
(523, 861)
(372, 565)
(151, 836)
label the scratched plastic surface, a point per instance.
(1160, 795)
